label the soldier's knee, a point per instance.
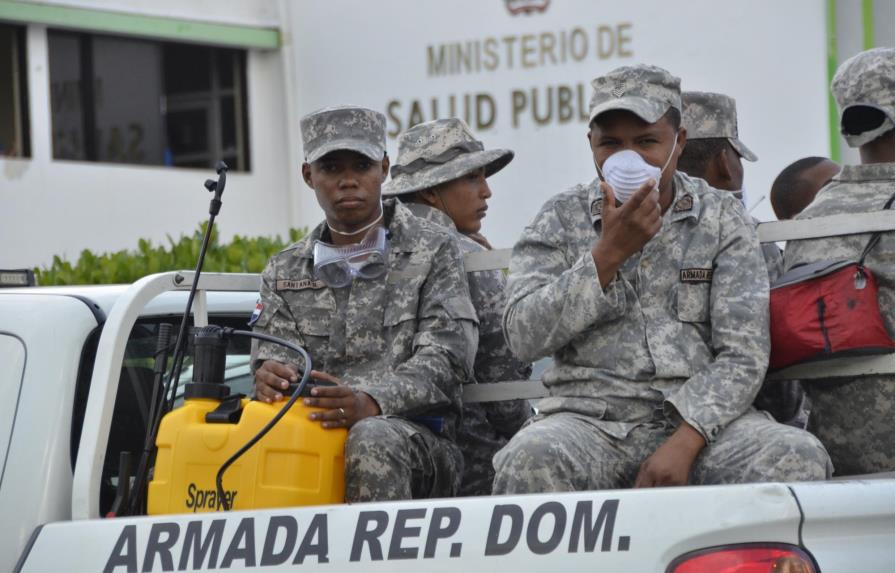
(797, 456)
(374, 436)
(528, 451)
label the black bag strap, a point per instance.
(874, 239)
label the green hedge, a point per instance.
(241, 255)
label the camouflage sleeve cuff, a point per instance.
(613, 294)
(678, 412)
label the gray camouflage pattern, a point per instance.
(713, 115)
(486, 427)
(570, 452)
(346, 127)
(647, 91)
(855, 419)
(408, 339)
(392, 458)
(439, 151)
(867, 79)
(680, 334)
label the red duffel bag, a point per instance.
(827, 309)
(823, 310)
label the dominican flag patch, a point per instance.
(256, 314)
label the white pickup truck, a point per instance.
(74, 366)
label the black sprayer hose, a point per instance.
(296, 394)
(171, 385)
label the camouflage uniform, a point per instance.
(485, 427)
(681, 333)
(708, 115)
(855, 419)
(407, 339)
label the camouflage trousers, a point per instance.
(571, 452)
(855, 420)
(479, 441)
(391, 458)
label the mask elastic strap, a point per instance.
(667, 161)
(359, 231)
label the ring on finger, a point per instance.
(342, 412)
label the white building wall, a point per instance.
(769, 55)
(52, 207)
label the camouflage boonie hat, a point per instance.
(439, 151)
(646, 91)
(346, 127)
(711, 115)
(867, 79)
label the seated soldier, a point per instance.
(714, 153)
(649, 291)
(440, 174)
(396, 330)
(855, 418)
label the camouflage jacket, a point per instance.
(407, 339)
(682, 331)
(494, 362)
(856, 189)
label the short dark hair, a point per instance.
(698, 153)
(789, 188)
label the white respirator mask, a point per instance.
(626, 172)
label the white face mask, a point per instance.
(626, 172)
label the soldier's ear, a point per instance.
(721, 164)
(306, 174)
(428, 196)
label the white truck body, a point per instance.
(51, 512)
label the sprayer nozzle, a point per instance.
(221, 167)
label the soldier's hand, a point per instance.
(626, 228)
(272, 378)
(670, 464)
(345, 407)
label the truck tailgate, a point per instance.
(849, 525)
(628, 530)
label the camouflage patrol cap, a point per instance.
(439, 151)
(711, 115)
(866, 80)
(647, 91)
(346, 127)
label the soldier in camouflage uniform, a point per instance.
(399, 345)
(655, 312)
(714, 152)
(855, 419)
(440, 175)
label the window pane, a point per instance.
(146, 102)
(65, 96)
(127, 96)
(14, 128)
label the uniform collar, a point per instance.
(868, 172)
(431, 214)
(684, 205)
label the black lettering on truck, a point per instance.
(199, 547)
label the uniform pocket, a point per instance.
(692, 300)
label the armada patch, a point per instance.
(696, 275)
(685, 203)
(303, 284)
(596, 208)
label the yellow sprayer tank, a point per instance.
(296, 463)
